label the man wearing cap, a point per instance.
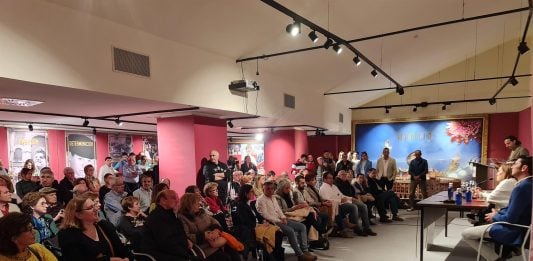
(80, 153)
(54, 208)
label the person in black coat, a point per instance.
(384, 198)
(83, 237)
(245, 219)
(164, 236)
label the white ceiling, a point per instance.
(243, 28)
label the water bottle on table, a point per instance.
(458, 197)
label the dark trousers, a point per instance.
(412, 190)
(319, 223)
(386, 183)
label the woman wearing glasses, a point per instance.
(83, 237)
(17, 241)
(34, 204)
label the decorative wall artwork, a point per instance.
(256, 151)
(448, 144)
(81, 151)
(118, 144)
(25, 145)
(149, 146)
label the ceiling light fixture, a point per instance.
(312, 35)
(94, 131)
(513, 81)
(118, 122)
(293, 29)
(523, 48)
(230, 124)
(85, 123)
(492, 101)
(337, 48)
(18, 102)
(444, 107)
(374, 73)
(30, 127)
(357, 60)
(387, 110)
(399, 90)
(259, 136)
(415, 109)
(328, 43)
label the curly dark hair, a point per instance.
(12, 225)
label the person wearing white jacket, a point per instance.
(501, 194)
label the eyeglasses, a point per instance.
(212, 155)
(93, 207)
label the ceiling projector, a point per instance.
(244, 86)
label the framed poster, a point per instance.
(448, 144)
(25, 145)
(149, 146)
(256, 151)
(81, 151)
(118, 144)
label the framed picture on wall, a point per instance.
(81, 151)
(449, 144)
(256, 151)
(27, 145)
(118, 144)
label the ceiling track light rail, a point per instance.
(426, 104)
(329, 35)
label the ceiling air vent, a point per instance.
(341, 117)
(130, 62)
(289, 101)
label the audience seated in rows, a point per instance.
(17, 241)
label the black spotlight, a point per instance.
(444, 107)
(513, 81)
(230, 139)
(312, 35)
(337, 48)
(328, 43)
(30, 127)
(492, 101)
(399, 90)
(230, 124)
(357, 60)
(415, 109)
(374, 73)
(387, 110)
(522, 48)
(94, 131)
(85, 123)
(293, 29)
(317, 132)
(118, 122)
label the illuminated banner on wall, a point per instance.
(256, 151)
(27, 145)
(118, 144)
(81, 151)
(448, 144)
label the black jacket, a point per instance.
(375, 187)
(164, 237)
(345, 187)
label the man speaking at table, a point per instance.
(517, 212)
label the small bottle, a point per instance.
(458, 197)
(450, 191)
(469, 195)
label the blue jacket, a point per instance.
(517, 212)
(418, 167)
(364, 170)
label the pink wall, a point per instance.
(282, 148)
(183, 142)
(57, 152)
(332, 143)
(102, 148)
(501, 125)
(4, 154)
(137, 143)
(524, 129)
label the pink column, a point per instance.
(183, 142)
(282, 148)
(4, 154)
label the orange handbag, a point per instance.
(232, 242)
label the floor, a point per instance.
(399, 241)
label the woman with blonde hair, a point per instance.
(258, 185)
(215, 204)
(82, 236)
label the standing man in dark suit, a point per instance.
(418, 168)
(517, 212)
(216, 171)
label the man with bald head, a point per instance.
(164, 236)
(216, 171)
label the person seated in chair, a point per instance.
(132, 221)
(362, 193)
(343, 183)
(517, 212)
(384, 198)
